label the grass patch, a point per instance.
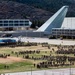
(15, 67)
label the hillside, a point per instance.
(51, 5)
(38, 11)
(15, 10)
(10, 9)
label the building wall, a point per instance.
(55, 21)
(24, 34)
(14, 23)
(63, 32)
(69, 23)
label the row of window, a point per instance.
(14, 24)
(13, 21)
(63, 33)
(62, 30)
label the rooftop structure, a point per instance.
(55, 21)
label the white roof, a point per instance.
(55, 21)
(69, 23)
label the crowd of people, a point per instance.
(4, 55)
(59, 59)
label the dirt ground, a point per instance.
(11, 59)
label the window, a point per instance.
(5, 24)
(21, 21)
(16, 21)
(5, 21)
(1, 24)
(0, 21)
(21, 24)
(10, 21)
(26, 24)
(15, 24)
(10, 24)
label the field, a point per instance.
(18, 63)
(15, 62)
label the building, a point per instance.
(55, 21)
(18, 25)
(67, 29)
(14, 24)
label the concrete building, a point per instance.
(55, 21)
(44, 31)
(14, 24)
(67, 29)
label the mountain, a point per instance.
(38, 11)
(15, 10)
(11, 9)
(51, 5)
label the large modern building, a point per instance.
(67, 29)
(17, 25)
(14, 24)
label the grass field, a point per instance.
(18, 63)
(15, 63)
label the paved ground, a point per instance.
(41, 40)
(67, 71)
(50, 41)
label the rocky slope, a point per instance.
(51, 5)
(14, 10)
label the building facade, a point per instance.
(64, 33)
(14, 24)
(18, 26)
(67, 29)
(55, 21)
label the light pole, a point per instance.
(31, 70)
(70, 68)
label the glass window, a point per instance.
(26, 24)
(0, 21)
(16, 21)
(10, 24)
(21, 21)
(15, 24)
(5, 24)
(10, 21)
(21, 24)
(1, 24)
(5, 21)
(26, 21)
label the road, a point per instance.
(41, 40)
(50, 41)
(66, 71)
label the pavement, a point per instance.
(41, 40)
(67, 71)
(50, 41)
